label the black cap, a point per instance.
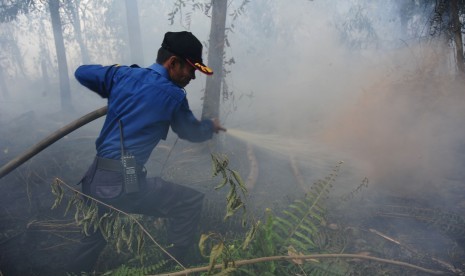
(186, 45)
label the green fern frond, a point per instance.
(301, 220)
(300, 226)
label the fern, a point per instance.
(299, 229)
(299, 224)
(264, 244)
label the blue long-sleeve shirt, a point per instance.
(147, 103)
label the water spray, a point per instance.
(279, 144)
(309, 153)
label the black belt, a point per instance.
(109, 164)
(114, 165)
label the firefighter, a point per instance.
(143, 103)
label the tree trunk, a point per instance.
(211, 103)
(3, 87)
(135, 38)
(457, 30)
(74, 14)
(54, 6)
(44, 59)
(45, 77)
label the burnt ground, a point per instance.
(35, 240)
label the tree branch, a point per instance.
(306, 257)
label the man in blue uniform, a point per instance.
(142, 104)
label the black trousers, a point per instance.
(157, 198)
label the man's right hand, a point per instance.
(217, 126)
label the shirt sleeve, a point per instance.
(97, 78)
(187, 127)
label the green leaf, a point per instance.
(305, 238)
(279, 221)
(119, 242)
(310, 230)
(214, 165)
(250, 235)
(76, 216)
(215, 253)
(316, 217)
(297, 209)
(292, 216)
(202, 243)
(222, 183)
(131, 236)
(106, 225)
(68, 206)
(116, 226)
(58, 192)
(140, 241)
(239, 181)
(124, 235)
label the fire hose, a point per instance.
(52, 138)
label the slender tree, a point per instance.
(216, 86)
(44, 57)
(135, 37)
(65, 91)
(457, 33)
(3, 87)
(9, 10)
(72, 9)
(215, 59)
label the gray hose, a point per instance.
(52, 138)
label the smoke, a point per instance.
(392, 110)
(405, 123)
(392, 113)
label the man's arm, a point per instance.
(96, 77)
(186, 126)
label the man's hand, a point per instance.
(217, 126)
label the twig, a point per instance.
(55, 246)
(253, 174)
(17, 234)
(126, 214)
(305, 257)
(384, 236)
(298, 176)
(438, 261)
(168, 156)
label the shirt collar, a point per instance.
(160, 70)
